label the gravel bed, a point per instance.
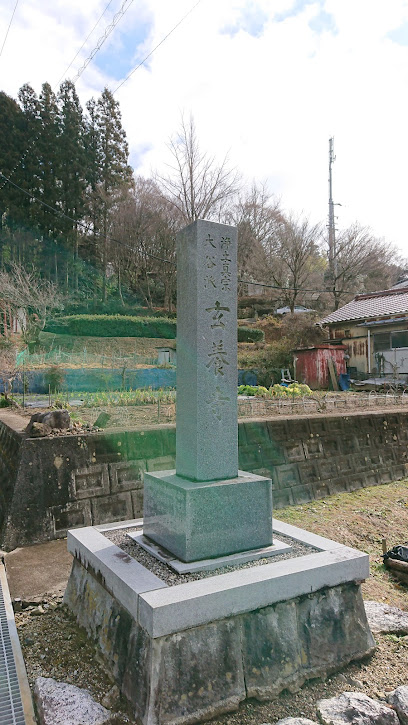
(171, 578)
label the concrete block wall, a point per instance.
(53, 484)
(313, 457)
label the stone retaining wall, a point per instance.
(51, 484)
(10, 444)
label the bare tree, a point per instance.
(147, 223)
(293, 258)
(257, 216)
(32, 300)
(8, 365)
(197, 186)
(362, 263)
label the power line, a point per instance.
(9, 26)
(98, 46)
(149, 254)
(124, 7)
(84, 226)
(85, 42)
(157, 46)
(295, 289)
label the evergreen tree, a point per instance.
(72, 171)
(10, 152)
(110, 173)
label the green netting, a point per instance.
(81, 359)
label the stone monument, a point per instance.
(183, 651)
(206, 508)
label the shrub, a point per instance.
(113, 307)
(250, 334)
(267, 362)
(294, 390)
(54, 377)
(114, 326)
(257, 390)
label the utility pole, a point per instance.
(332, 229)
(333, 269)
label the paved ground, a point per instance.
(37, 570)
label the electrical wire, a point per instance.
(84, 43)
(98, 46)
(9, 26)
(157, 46)
(124, 7)
(84, 226)
(149, 254)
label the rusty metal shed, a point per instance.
(312, 364)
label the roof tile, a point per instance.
(376, 306)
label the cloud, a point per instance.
(399, 35)
(271, 91)
(251, 20)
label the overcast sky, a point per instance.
(268, 81)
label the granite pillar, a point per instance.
(210, 518)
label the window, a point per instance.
(382, 341)
(399, 339)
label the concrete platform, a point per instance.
(33, 571)
(192, 651)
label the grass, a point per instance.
(361, 520)
(140, 396)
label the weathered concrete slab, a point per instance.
(202, 520)
(33, 571)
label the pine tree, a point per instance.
(71, 172)
(111, 172)
(10, 152)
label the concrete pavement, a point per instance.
(34, 571)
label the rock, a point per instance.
(59, 419)
(54, 419)
(61, 704)
(399, 699)
(111, 697)
(296, 721)
(350, 681)
(383, 618)
(37, 610)
(102, 420)
(38, 430)
(356, 708)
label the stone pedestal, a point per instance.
(190, 652)
(200, 520)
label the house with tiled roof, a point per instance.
(374, 327)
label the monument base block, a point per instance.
(189, 652)
(203, 520)
(182, 567)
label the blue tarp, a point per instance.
(344, 381)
